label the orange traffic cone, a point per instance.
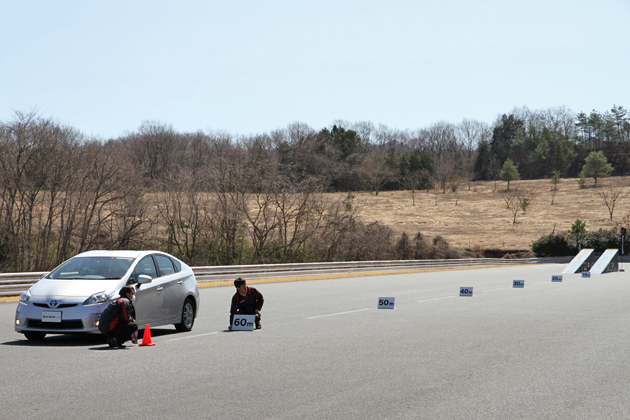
(146, 337)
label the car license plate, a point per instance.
(51, 316)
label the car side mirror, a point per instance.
(144, 279)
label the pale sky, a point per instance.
(249, 67)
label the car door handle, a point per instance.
(159, 289)
(179, 283)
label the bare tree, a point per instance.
(94, 194)
(155, 148)
(227, 181)
(301, 214)
(517, 200)
(436, 191)
(563, 118)
(376, 171)
(131, 222)
(457, 194)
(182, 207)
(611, 195)
(31, 154)
(281, 219)
(298, 133)
(441, 142)
(244, 182)
(469, 134)
(196, 153)
(59, 193)
(387, 138)
(364, 129)
(414, 180)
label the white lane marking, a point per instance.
(192, 336)
(496, 290)
(429, 300)
(338, 313)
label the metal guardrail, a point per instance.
(12, 284)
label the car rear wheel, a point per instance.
(34, 336)
(188, 316)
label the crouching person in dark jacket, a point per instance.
(118, 321)
(247, 301)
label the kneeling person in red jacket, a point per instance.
(118, 320)
(247, 301)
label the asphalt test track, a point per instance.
(548, 351)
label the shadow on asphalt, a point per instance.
(63, 340)
(158, 332)
(82, 340)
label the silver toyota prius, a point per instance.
(71, 298)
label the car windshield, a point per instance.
(92, 268)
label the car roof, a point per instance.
(124, 254)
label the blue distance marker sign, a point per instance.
(243, 322)
(466, 291)
(518, 284)
(556, 278)
(386, 303)
(586, 274)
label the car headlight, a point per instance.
(25, 297)
(99, 297)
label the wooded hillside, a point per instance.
(283, 196)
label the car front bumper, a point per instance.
(65, 320)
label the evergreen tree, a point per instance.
(596, 166)
(504, 135)
(509, 172)
(620, 121)
(484, 160)
(555, 179)
(347, 141)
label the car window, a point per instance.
(145, 266)
(92, 268)
(164, 264)
(177, 265)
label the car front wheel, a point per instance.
(34, 336)
(188, 316)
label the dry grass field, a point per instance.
(480, 220)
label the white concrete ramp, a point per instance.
(609, 261)
(577, 262)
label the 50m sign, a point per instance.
(386, 303)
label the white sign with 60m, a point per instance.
(243, 322)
